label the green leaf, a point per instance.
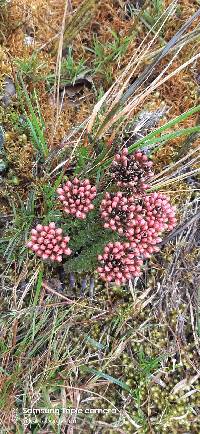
(83, 158)
(108, 377)
(87, 259)
(95, 344)
(38, 288)
(152, 138)
(35, 122)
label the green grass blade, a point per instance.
(35, 123)
(38, 288)
(109, 378)
(168, 125)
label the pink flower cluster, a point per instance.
(76, 196)
(137, 216)
(141, 221)
(131, 216)
(47, 242)
(119, 263)
(159, 213)
(118, 211)
(132, 171)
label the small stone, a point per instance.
(3, 166)
(9, 92)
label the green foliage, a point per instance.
(87, 239)
(70, 69)
(31, 68)
(104, 57)
(33, 116)
(83, 158)
(79, 20)
(49, 196)
(13, 244)
(95, 344)
(3, 3)
(155, 139)
(148, 365)
(86, 261)
(158, 6)
(105, 54)
(110, 378)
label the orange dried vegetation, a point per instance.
(43, 19)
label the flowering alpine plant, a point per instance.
(76, 197)
(141, 221)
(145, 243)
(159, 213)
(134, 214)
(121, 213)
(118, 263)
(47, 242)
(138, 218)
(132, 171)
(131, 216)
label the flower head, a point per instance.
(47, 242)
(140, 220)
(130, 215)
(118, 212)
(76, 197)
(132, 171)
(146, 242)
(159, 213)
(118, 263)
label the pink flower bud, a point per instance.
(34, 232)
(44, 256)
(67, 251)
(39, 228)
(78, 214)
(52, 225)
(58, 231)
(40, 240)
(35, 247)
(59, 191)
(30, 244)
(59, 258)
(56, 248)
(52, 232)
